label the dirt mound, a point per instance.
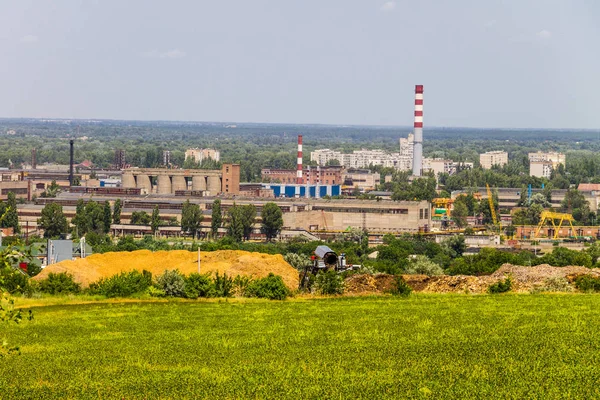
(524, 280)
(231, 262)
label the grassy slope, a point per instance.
(542, 346)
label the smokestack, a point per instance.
(418, 132)
(299, 168)
(71, 163)
(33, 159)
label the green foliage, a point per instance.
(419, 189)
(199, 285)
(502, 286)
(588, 283)
(575, 203)
(117, 208)
(270, 287)
(59, 283)
(328, 283)
(223, 285)
(172, 282)
(400, 288)
(53, 220)
(216, 217)
(460, 213)
(155, 220)
(240, 221)
(423, 266)
(191, 219)
(272, 220)
(298, 261)
(14, 281)
(155, 292)
(8, 211)
(107, 217)
(140, 218)
(51, 191)
(122, 285)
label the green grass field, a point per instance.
(436, 346)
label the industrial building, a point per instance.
(491, 158)
(171, 181)
(363, 179)
(330, 175)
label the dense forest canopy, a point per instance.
(256, 146)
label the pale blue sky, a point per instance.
(484, 63)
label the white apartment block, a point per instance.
(362, 158)
(199, 155)
(540, 169)
(440, 165)
(491, 158)
(552, 157)
(407, 146)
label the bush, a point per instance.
(500, 286)
(15, 282)
(240, 285)
(588, 283)
(61, 283)
(223, 285)
(197, 285)
(172, 282)
(424, 266)
(329, 282)
(400, 287)
(122, 285)
(270, 287)
(556, 284)
(155, 292)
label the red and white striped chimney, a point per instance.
(418, 132)
(299, 168)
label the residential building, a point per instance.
(491, 158)
(552, 157)
(443, 166)
(199, 155)
(540, 169)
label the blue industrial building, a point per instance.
(314, 191)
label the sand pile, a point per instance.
(365, 283)
(231, 262)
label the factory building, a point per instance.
(491, 158)
(330, 175)
(173, 181)
(363, 179)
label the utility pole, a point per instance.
(198, 258)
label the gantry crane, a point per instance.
(546, 216)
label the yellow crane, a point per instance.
(546, 216)
(492, 208)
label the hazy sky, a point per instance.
(484, 63)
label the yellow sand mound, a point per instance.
(231, 262)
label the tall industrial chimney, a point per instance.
(299, 167)
(33, 159)
(71, 162)
(418, 132)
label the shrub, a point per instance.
(500, 286)
(270, 287)
(240, 285)
(400, 287)
(223, 285)
(61, 283)
(172, 282)
(155, 292)
(329, 282)
(587, 283)
(556, 284)
(15, 282)
(122, 285)
(423, 265)
(198, 285)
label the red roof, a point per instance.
(588, 187)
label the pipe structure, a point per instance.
(418, 132)
(71, 162)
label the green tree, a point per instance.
(52, 190)
(460, 213)
(575, 203)
(191, 218)
(9, 211)
(272, 220)
(117, 208)
(140, 218)
(107, 216)
(94, 214)
(248, 213)
(216, 218)
(235, 226)
(155, 220)
(53, 220)
(80, 220)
